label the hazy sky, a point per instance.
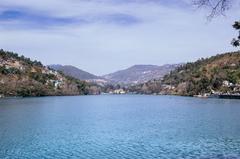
(102, 36)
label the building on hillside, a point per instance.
(227, 84)
(55, 83)
(119, 91)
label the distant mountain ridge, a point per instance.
(140, 73)
(132, 75)
(75, 72)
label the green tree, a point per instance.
(236, 41)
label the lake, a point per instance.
(119, 126)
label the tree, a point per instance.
(236, 41)
(219, 7)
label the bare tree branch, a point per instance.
(218, 7)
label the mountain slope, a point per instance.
(218, 74)
(74, 72)
(139, 74)
(19, 76)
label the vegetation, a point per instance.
(7, 54)
(236, 41)
(5, 71)
(200, 77)
(206, 75)
(20, 76)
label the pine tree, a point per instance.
(236, 41)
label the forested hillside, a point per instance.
(20, 76)
(217, 74)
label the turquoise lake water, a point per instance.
(119, 127)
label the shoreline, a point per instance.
(223, 96)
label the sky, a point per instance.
(103, 36)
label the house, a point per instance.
(119, 91)
(227, 84)
(170, 87)
(57, 83)
(52, 72)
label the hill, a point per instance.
(139, 74)
(74, 72)
(20, 76)
(218, 74)
(79, 74)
